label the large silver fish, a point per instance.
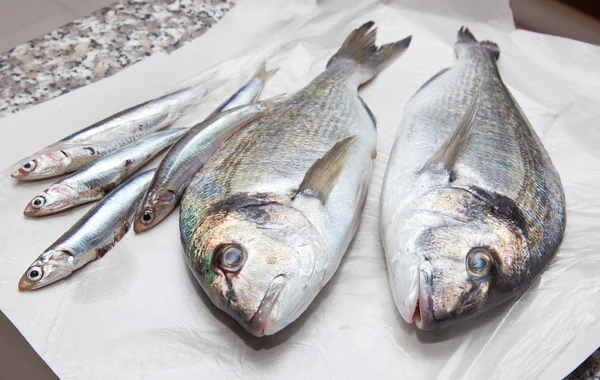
(188, 155)
(89, 144)
(266, 222)
(472, 209)
(96, 233)
(99, 178)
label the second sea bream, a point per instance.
(267, 220)
(472, 209)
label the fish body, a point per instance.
(99, 178)
(472, 208)
(97, 232)
(70, 158)
(91, 143)
(266, 221)
(249, 92)
(190, 153)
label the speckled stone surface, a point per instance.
(588, 370)
(94, 47)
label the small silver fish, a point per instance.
(472, 208)
(101, 177)
(96, 233)
(89, 144)
(188, 155)
(248, 93)
(267, 220)
(69, 159)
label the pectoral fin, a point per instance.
(447, 155)
(322, 176)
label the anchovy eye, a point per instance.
(147, 216)
(479, 261)
(38, 202)
(35, 273)
(231, 258)
(29, 167)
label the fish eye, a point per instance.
(38, 202)
(147, 216)
(479, 261)
(35, 273)
(29, 167)
(231, 258)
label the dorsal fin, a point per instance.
(322, 176)
(446, 156)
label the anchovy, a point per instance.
(70, 158)
(188, 155)
(96, 233)
(472, 208)
(267, 220)
(248, 93)
(185, 158)
(91, 143)
(101, 177)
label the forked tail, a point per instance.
(360, 47)
(466, 39)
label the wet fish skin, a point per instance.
(69, 159)
(186, 157)
(110, 133)
(96, 233)
(249, 92)
(464, 231)
(102, 176)
(267, 220)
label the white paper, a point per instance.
(139, 313)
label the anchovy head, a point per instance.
(51, 266)
(43, 166)
(156, 207)
(55, 198)
(462, 253)
(262, 263)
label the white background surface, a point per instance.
(138, 312)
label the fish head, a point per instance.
(263, 264)
(55, 198)
(43, 166)
(155, 207)
(462, 256)
(51, 266)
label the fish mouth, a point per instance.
(263, 322)
(419, 308)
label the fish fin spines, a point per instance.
(360, 47)
(320, 179)
(445, 158)
(465, 37)
(492, 48)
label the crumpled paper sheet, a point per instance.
(138, 312)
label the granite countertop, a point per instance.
(110, 39)
(97, 46)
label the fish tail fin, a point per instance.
(466, 39)
(263, 74)
(360, 47)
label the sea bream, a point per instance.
(472, 208)
(267, 220)
(104, 137)
(96, 233)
